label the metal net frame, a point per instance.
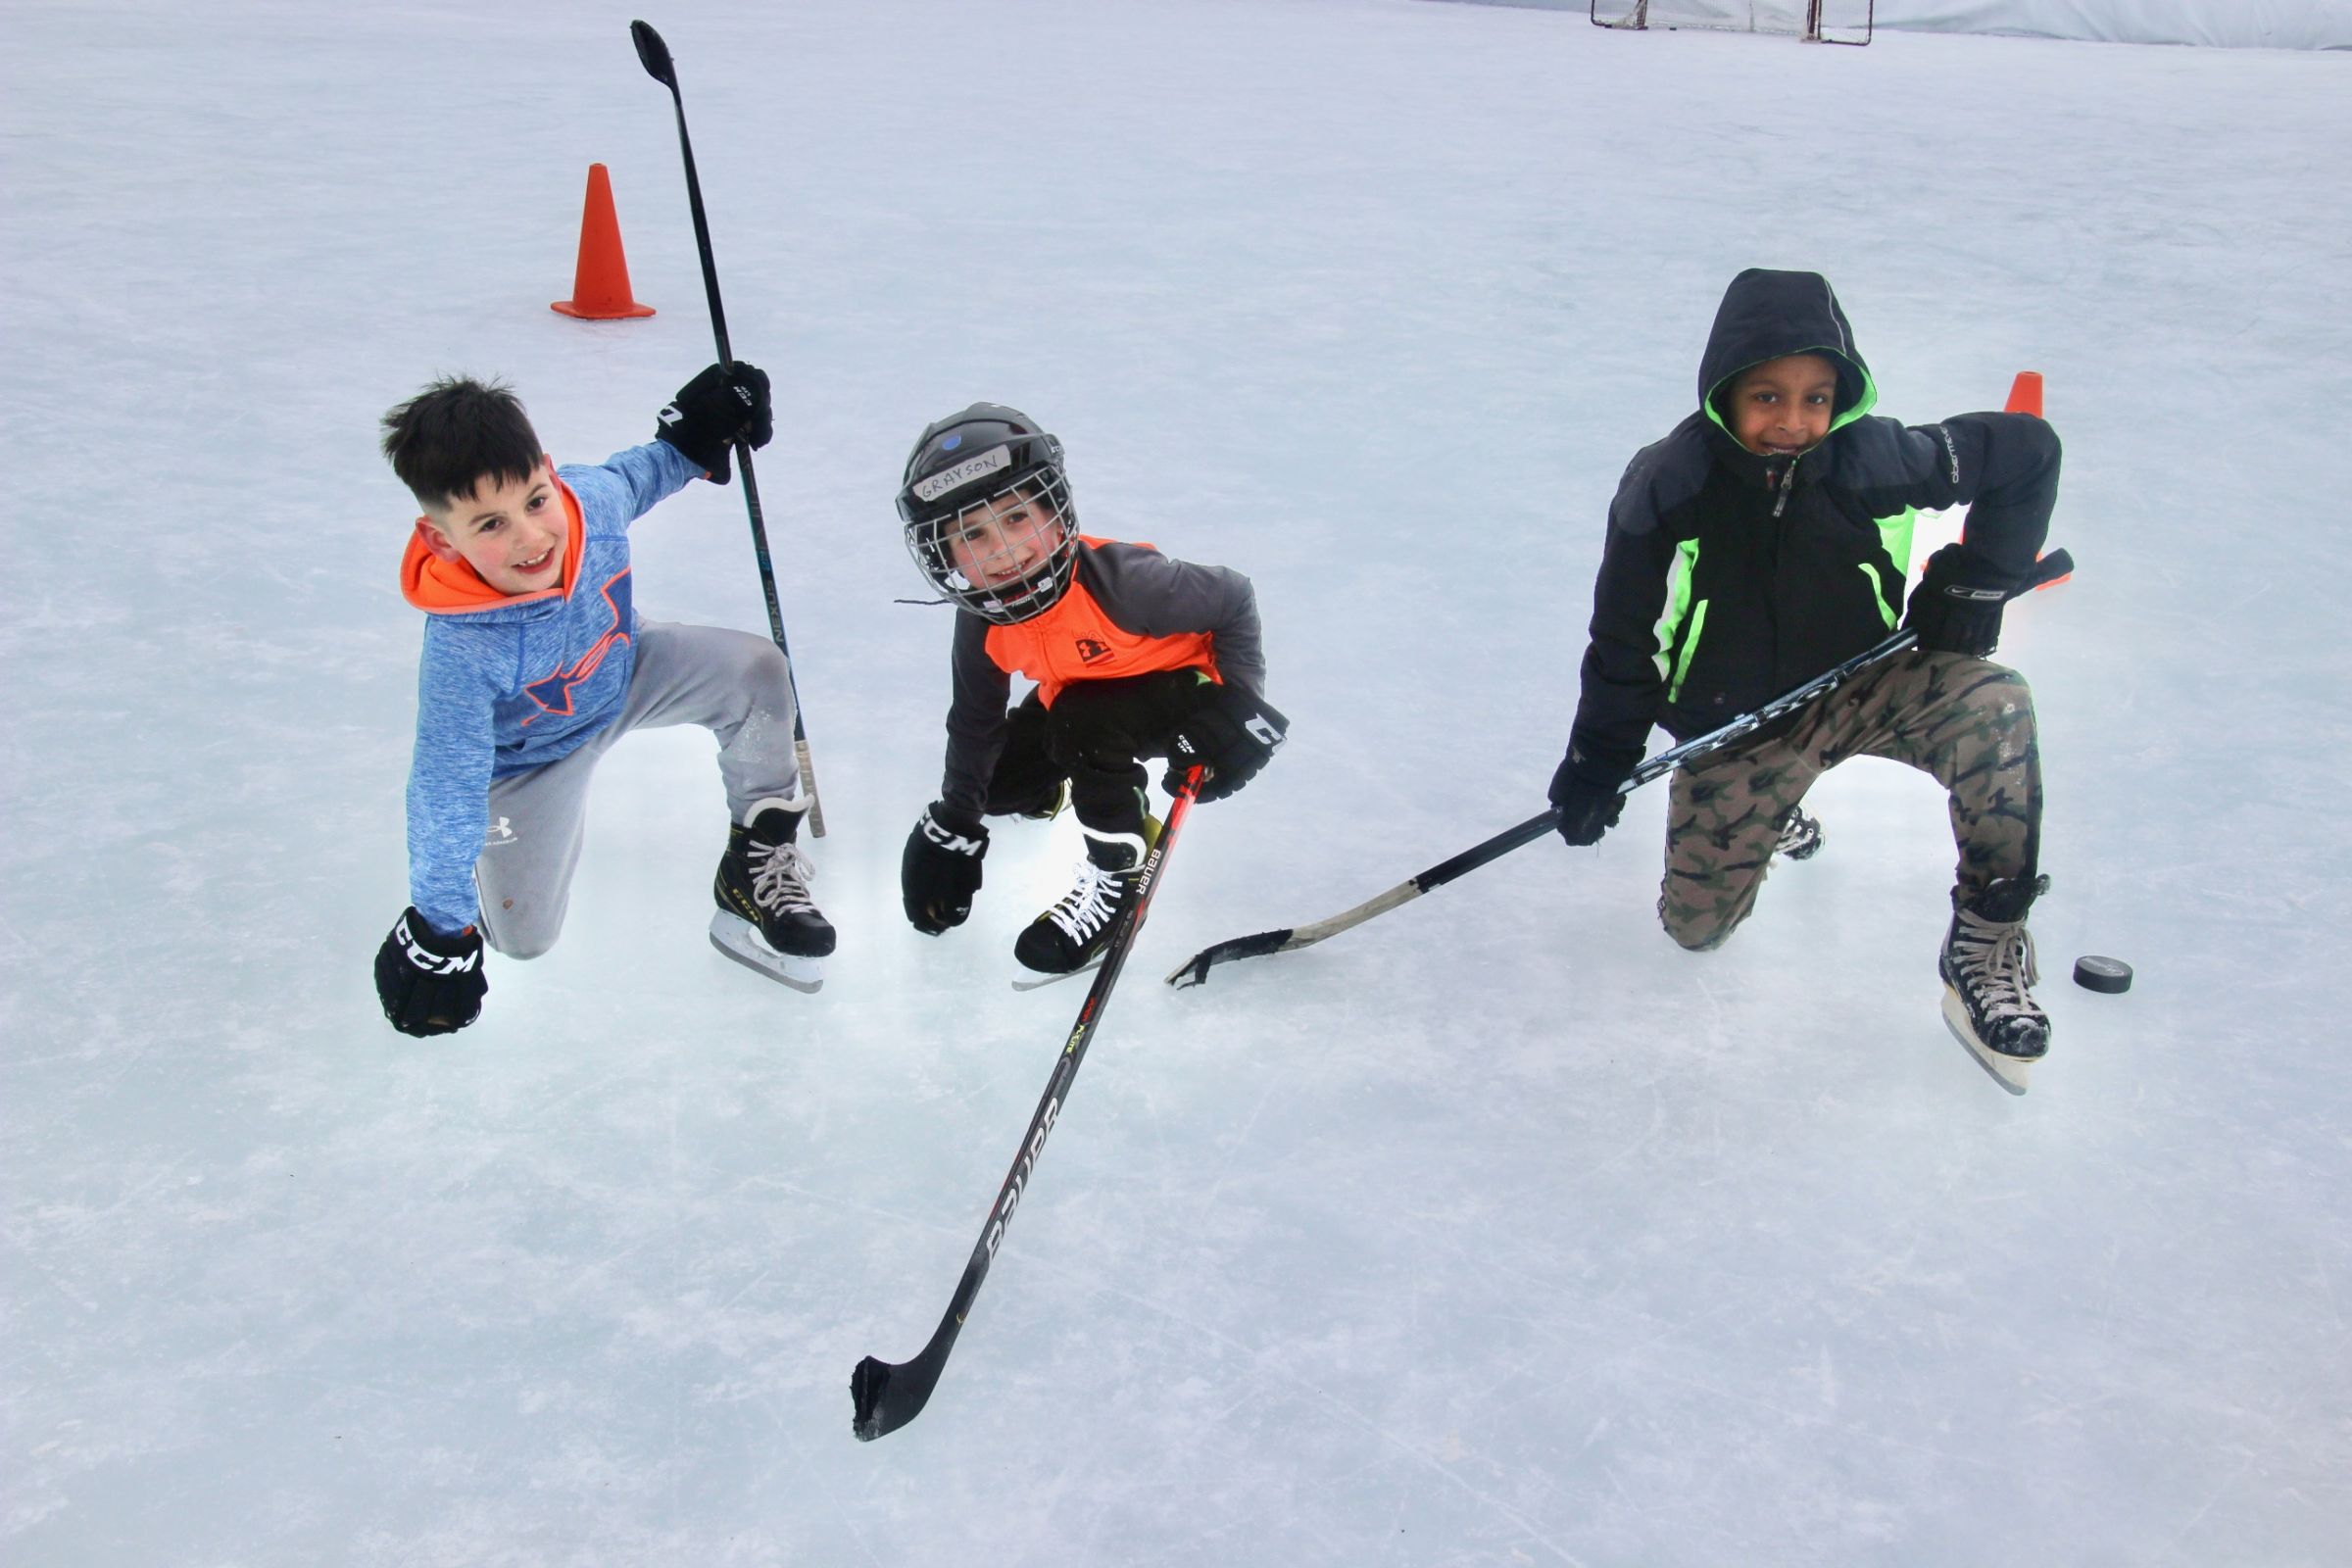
(1813, 26)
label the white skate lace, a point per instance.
(1998, 959)
(1797, 830)
(1088, 907)
(780, 877)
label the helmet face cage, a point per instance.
(990, 523)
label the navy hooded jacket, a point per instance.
(1728, 577)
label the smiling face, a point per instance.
(1004, 539)
(511, 532)
(1782, 406)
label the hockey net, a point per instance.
(1815, 21)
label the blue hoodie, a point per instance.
(512, 682)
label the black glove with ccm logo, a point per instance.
(430, 984)
(940, 871)
(1233, 732)
(723, 405)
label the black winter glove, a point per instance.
(1585, 792)
(1234, 732)
(1956, 609)
(724, 405)
(430, 984)
(940, 871)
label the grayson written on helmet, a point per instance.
(987, 511)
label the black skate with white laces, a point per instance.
(1988, 972)
(766, 919)
(1072, 935)
(1800, 835)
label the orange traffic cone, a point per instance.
(600, 282)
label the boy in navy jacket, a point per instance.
(1764, 541)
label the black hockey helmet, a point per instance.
(989, 479)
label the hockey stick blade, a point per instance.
(654, 54)
(1194, 970)
(885, 1396)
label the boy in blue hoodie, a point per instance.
(1764, 541)
(535, 662)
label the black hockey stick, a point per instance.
(1194, 969)
(653, 54)
(886, 1395)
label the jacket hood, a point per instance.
(452, 588)
(1766, 315)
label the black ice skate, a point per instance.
(1987, 967)
(766, 920)
(1072, 935)
(1800, 835)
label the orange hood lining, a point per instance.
(453, 588)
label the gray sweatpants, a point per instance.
(733, 684)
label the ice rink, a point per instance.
(1497, 1231)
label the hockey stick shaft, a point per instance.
(885, 1396)
(1194, 969)
(654, 54)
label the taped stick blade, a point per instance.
(1197, 966)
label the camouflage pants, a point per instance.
(1967, 721)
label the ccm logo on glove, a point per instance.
(1234, 733)
(432, 963)
(430, 984)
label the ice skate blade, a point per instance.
(1031, 980)
(2012, 1073)
(741, 941)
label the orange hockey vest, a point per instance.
(1076, 641)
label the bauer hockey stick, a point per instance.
(654, 54)
(1194, 969)
(887, 1395)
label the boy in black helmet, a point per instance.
(1134, 654)
(1764, 541)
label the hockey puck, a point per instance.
(2110, 975)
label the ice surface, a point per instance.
(1498, 1230)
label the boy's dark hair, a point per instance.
(458, 432)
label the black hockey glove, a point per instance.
(940, 871)
(1585, 792)
(724, 405)
(1956, 609)
(1234, 732)
(430, 984)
